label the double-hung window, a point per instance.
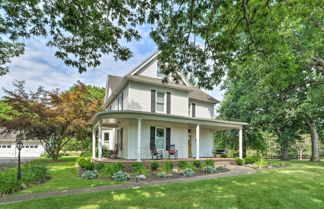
(160, 102)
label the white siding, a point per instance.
(149, 70)
(140, 98)
(203, 109)
(179, 137)
(114, 103)
(206, 143)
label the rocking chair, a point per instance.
(173, 152)
(114, 152)
(155, 153)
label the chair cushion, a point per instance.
(154, 151)
(171, 151)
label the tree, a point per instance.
(52, 117)
(301, 146)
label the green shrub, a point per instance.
(223, 155)
(105, 151)
(167, 166)
(99, 166)
(221, 168)
(31, 173)
(138, 168)
(261, 163)
(154, 166)
(46, 155)
(162, 175)
(120, 176)
(183, 164)
(86, 154)
(239, 161)
(85, 163)
(197, 163)
(209, 169)
(188, 172)
(90, 174)
(109, 169)
(251, 159)
(210, 163)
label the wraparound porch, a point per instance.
(130, 132)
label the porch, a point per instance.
(192, 137)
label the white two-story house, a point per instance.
(141, 111)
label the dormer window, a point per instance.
(159, 74)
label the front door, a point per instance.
(160, 139)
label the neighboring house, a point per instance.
(141, 111)
(8, 147)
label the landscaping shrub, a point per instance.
(154, 166)
(188, 172)
(86, 154)
(251, 159)
(167, 166)
(223, 155)
(210, 163)
(99, 166)
(209, 169)
(46, 155)
(105, 151)
(109, 169)
(90, 174)
(261, 163)
(30, 174)
(239, 161)
(85, 163)
(221, 168)
(197, 163)
(120, 176)
(183, 164)
(138, 168)
(34, 173)
(162, 175)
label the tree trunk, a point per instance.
(315, 142)
(284, 154)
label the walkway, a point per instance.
(234, 171)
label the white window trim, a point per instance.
(159, 74)
(164, 104)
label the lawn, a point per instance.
(64, 176)
(298, 186)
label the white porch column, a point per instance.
(100, 140)
(241, 142)
(197, 141)
(139, 133)
(93, 141)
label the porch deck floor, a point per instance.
(109, 160)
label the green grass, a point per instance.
(298, 186)
(64, 176)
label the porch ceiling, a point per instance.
(113, 118)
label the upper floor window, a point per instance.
(160, 101)
(159, 73)
(120, 101)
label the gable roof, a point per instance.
(116, 83)
(202, 96)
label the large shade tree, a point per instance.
(52, 117)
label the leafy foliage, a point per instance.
(109, 169)
(210, 163)
(188, 172)
(251, 159)
(209, 169)
(167, 166)
(162, 175)
(120, 176)
(85, 163)
(90, 174)
(154, 166)
(197, 163)
(183, 164)
(239, 161)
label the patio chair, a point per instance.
(156, 154)
(173, 152)
(220, 151)
(114, 153)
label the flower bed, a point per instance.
(156, 171)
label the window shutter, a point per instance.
(193, 106)
(152, 138)
(168, 103)
(168, 138)
(152, 100)
(121, 138)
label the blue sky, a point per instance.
(39, 67)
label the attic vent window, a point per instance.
(159, 73)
